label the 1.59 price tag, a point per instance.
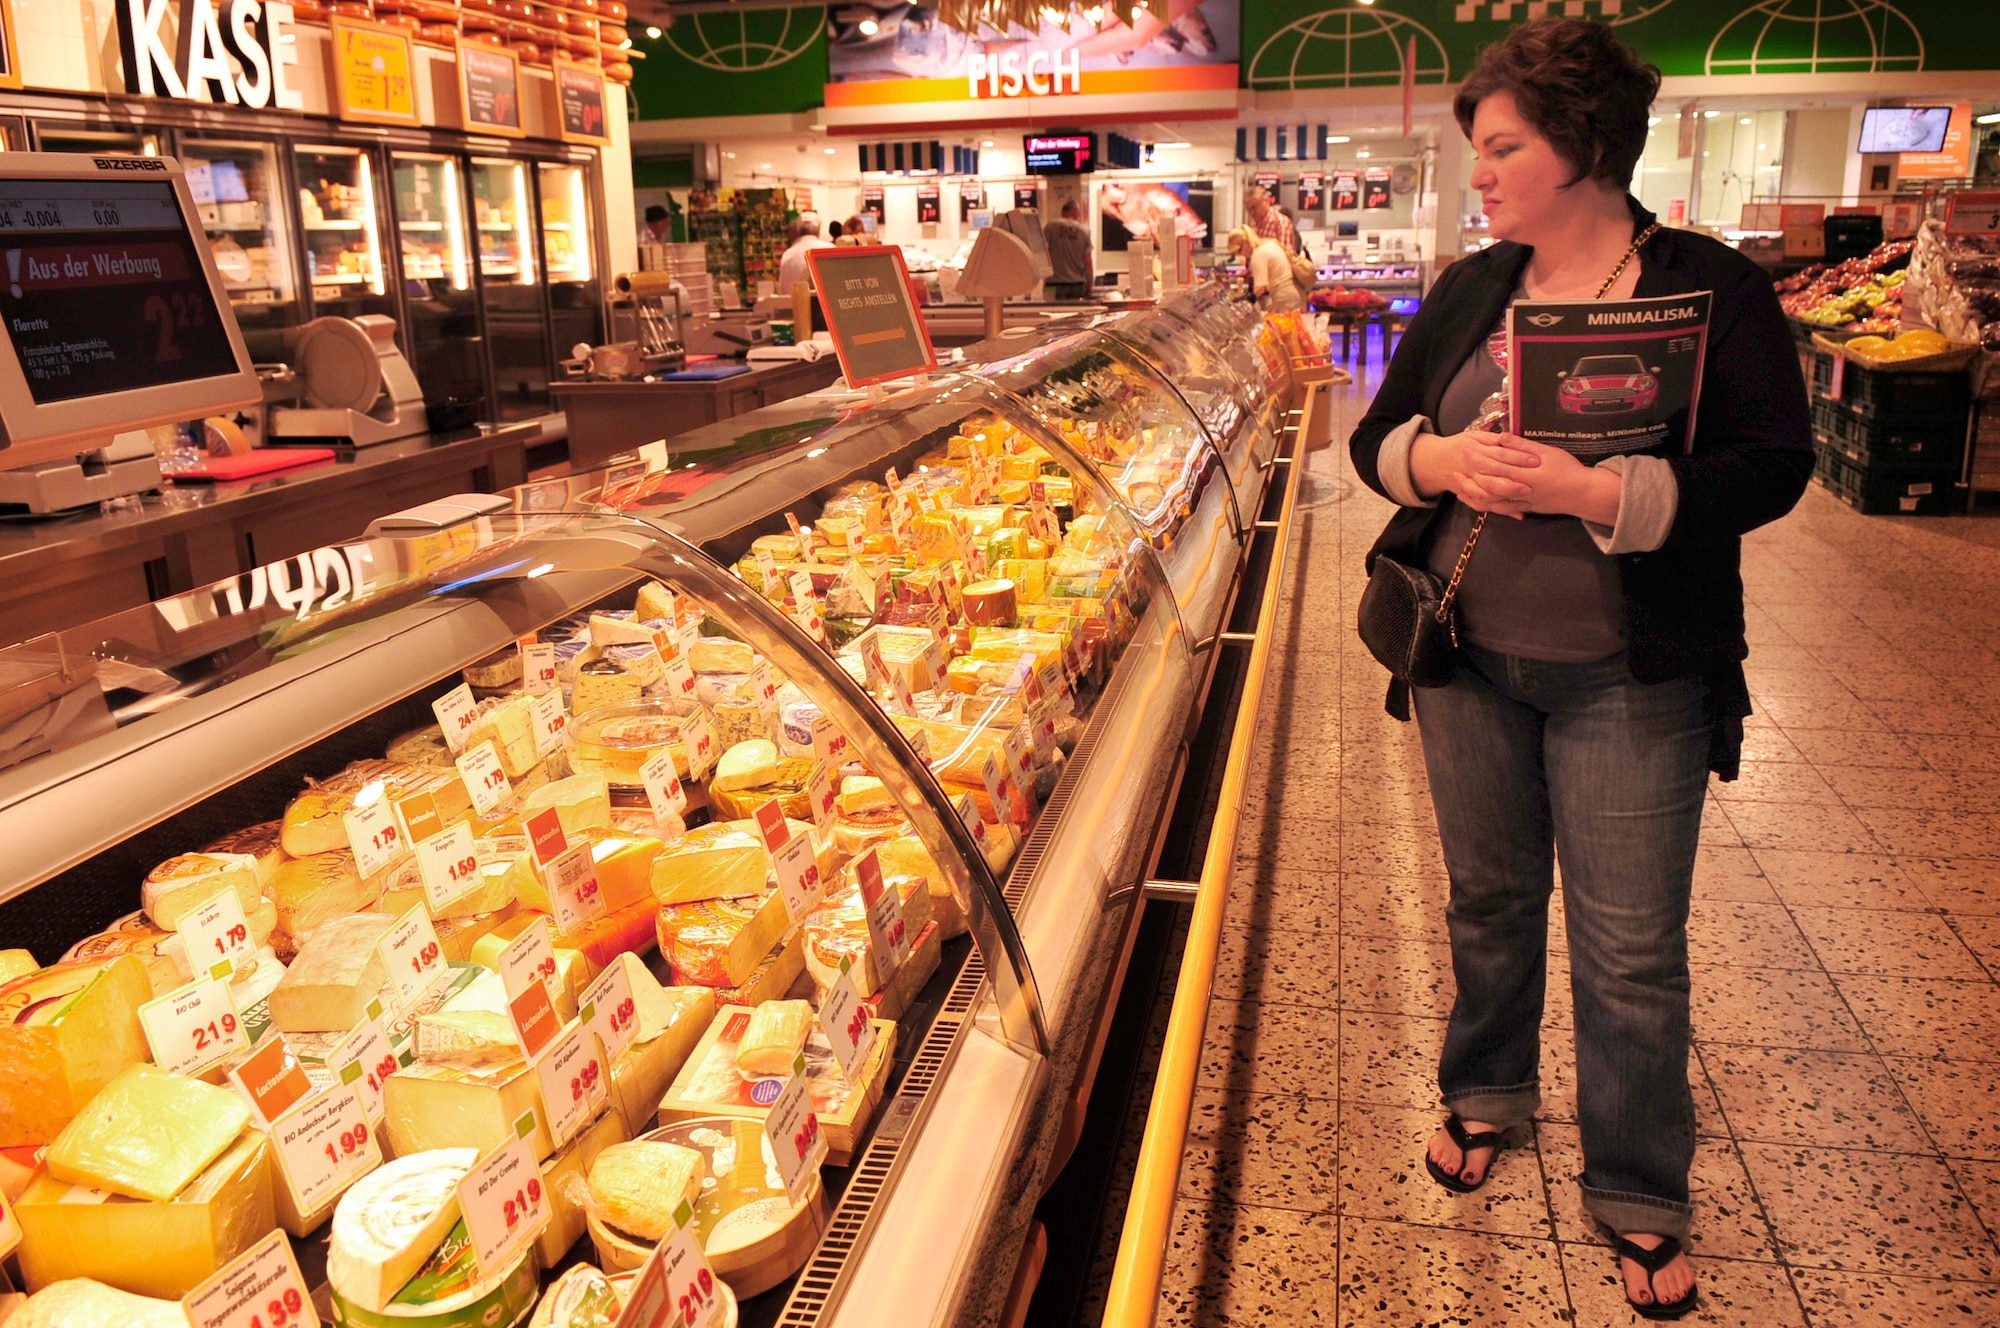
(798, 875)
(847, 1024)
(610, 1010)
(504, 1205)
(795, 1135)
(573, 890)
(415, 960)
(663, 786)
(457, 714)
(324, 1145)
(217, 937)
(365, 1059)
(447, 865)
(192, 1027)
(484, 778)
(374, 836)
(260, 1288)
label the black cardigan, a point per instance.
(1752, 454)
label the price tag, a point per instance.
(272, 1078)
(549, 721)
(528, 972)
(192, 1027)
(572, 880)
(968, 816)
(771, 827)
(415, 960)
(365, 1059)
(675, 1287)
(848, 1028)
(546, 839)
(373, 835)
(825, 795)
(538, 667)
(829, 743)
(1970, 212)
(324, 1146)
(1042, 728)
(1015, 744)
(798, 875)
(447, 865)
(795, 1135)
(887, 932)
(457, 714)
(767, 567)
(573, 1080)
(763, 688)
(801, 584)
(800, 537)
(217, 934)
(610, 1011)
(663, 786)
(897, 521)
(698, 736)
(10, 1228)
(260, 1288)
(679, 675)
(503, 1204)
(996, 788)
(484, 778)
(1052, 678)
(872, 658)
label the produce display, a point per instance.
(1956, 283)
(1857, 295)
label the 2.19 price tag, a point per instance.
(675, 1287)
(260, 1288)
(504, 1205)
(193, 1027)
(324, 1145)
(457, 714)
(573, 1080)
(447, 865)
(798, 875)
(217, 937)
(374, 836)
(415, 960)
(663, 786)
(847, 1024)
(484, 778)
(796, 1138)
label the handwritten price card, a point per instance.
(573, 889)
(675, 1287)
(538, 666)
(528, 971)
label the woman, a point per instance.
(1270, 268)
(1601, 632)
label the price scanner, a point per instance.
(114, 321)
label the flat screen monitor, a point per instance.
(114, 315)
(1904, 128)
(1060, 154)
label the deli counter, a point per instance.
(953, 642)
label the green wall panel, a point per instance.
(760, 62)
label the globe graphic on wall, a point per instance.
(747, 41)
(1346, 48)
(1817, 37)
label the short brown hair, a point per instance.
(1578, 85)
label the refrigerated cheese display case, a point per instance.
(816, 764)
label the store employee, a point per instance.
(1068, 240)
(792, 268)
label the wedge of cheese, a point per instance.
(655, 601)
(328, 987)
(460, 1106)
(721, 860)
(718, 654)
(746, 765)
(581, 802)
(66, 1032)
(458, 936)
(78, 1302)
(145, 1247)
(510, 723)
(309, 891)
(566, 1182)
(720, 942)
(638, 1186)
(671, 1022)
(391, 1220)
(261, 842)
(175, 887)
(624, 862)
(773, 978)
(503, 872)
(16, 964)
(147, 1133)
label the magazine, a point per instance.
(1603, 378)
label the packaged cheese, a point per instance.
(566, 1182)
(313, 823)
(752, 1233)
(837, 929)
(790, 783)
(466, 1037)
(776, 1035)
(392, 1221)
(147, 1247)
(720, 942)
(66, 1032)
(745, 765)
(173, 889)
(628, 931)
(583, 1297)
(624, 861)
(134, 935)
(500, 669)
(260, 843)
(78, 1302)
(637, 1186)
(459, 1106)
(147, 1133)
(711, 1085)
(309, 891)
(336, 974)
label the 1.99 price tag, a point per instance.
(325, 1145)
(457, 714)
(484, 778)
(795, 1135)
(193, 1027)
(848, 1027)
(260, 1288)
(504, 1205)
(447, 865)
(663, 786)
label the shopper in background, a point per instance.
(792, 267)
(833, 229)
(1069, 255)
(1270, 270)
(1267, 221)
(1601, 628)
(853, 232)
(659, 225)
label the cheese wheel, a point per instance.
(391, 1221)
(990, 603)
(637, 1186)
(259, 842)
(179, 885)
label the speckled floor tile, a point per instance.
(1933, 834)
(1908, 716)
(1731, 873)
(1281, 967)
(1718, 829)
(1774, 781)
(1957, 751)
(1286, 901)
(1391, 850)
(1979, 1181)
(1771, 1007)
(1770, 745)
(1727, 1219)
(1806, 825)
(1868, 1212)
(1229, 1266)
(1957, 1101)
(1824, 1098)
(1829, 711)
(1733, 1292)
(1856, 940)
(1926, 1016)
(1290, 844)
(1804, 878)
(1396, 1276)
(1259, 1149)
(1841, 747)
(1406, 906)
(1871, 1300)
(1382, 1176)
(1745, 936)
(1981, 935)
(1253, 1048)
(1396, 975)
(1390, 1059)
(1957, 885)
(1861, 786)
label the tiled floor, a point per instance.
(1845, 945)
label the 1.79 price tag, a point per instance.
(663, 786)
(217, 937)
(796, 1138)
(193, 1027)
(374, 836)
(260, 1288)
(847, 1024)
(457, 714)
(447, 865)
(504, 1205)
(484, 778)
(324, 1145)
(415, 960)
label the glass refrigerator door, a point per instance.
(446, 348)
(343, 232)
(516, 323)
(239, 197)
(567, 228)
(67, 136)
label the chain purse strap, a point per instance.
(1450, 595)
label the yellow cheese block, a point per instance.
(624, 862)
(721, 860)
(328, 987)
(655, 601)
(581, 801)
(145, 1247)
(175, 887)
(313, 822)
(566, 1182)
(147, 1133)
(720, 942)
(776, 1035)
(310, 891)
(16, 963)
(773, 979)
(456, 1106)
(504, 873)
(644, 1070)
(457, 936)
(66, 1032)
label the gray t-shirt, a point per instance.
(1537, 587)
(1069, 250)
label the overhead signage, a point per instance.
(1027, 196)
(374, 78)
(1346, 191)
(10, 62)
(489, 91)
(1953, 161)
(1312, 191)
(1009, 74)
(1375, 188)
(258, 33)
(1266, 180)
(871, 202)
(872, 313)
(928, 208)
(971, 196)
(579, 108)
(1972, 213)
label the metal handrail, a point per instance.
(1142, 1248)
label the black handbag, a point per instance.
(1408, 621)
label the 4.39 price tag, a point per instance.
(260, 1288)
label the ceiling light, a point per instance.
(831, 151)
(1710, 115)
(625, 45)
(1362, 153)
(869, 27)
(1655, 120)
(1761, 148)
(1744, 120)
(730, 155)
(1991, 117)
(1172, 147)
(654, 33)
(763, 165)
(1339, 138)
(1095, 13)
(985, 142)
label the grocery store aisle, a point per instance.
(1845, 936)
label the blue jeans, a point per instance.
(1528, 760)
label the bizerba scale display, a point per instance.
(115, 320)
(956, 636)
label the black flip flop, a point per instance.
(1653, 1261)
(1466, 1142)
